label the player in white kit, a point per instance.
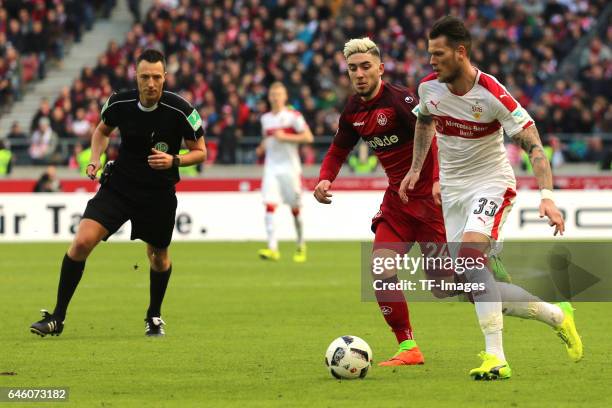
(468, 110)
(283, 130)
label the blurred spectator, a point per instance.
(58, 123)
(18, 142)
(552, 150)
(43, 143)
(228, 136)
(595, 150)
(44, 110)
(597, 52)
(134, 6)
(73, 161)
(81, 158)
(363, 162)
(6, 159)
(36, 44)
(557, 158)
(81, 127)
(48, 182)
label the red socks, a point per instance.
(394, 308)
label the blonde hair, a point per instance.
(360, 45)
(277, 84)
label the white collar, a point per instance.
(145, 109)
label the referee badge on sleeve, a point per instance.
(195, 120)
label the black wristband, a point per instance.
(176, 162)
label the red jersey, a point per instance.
(386, 123)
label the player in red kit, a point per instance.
(381, 115)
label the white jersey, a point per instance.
(469, 131)
(282, 156)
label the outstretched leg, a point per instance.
(520, 303)
(89, 234)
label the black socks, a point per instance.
(159, 283)
(71, 274)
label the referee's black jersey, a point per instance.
(162, 127)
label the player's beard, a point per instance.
(368, 92)
(452, 76)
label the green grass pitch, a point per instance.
(244, 333)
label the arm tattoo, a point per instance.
(529, 140)
(423, 134)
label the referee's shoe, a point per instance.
(154, 327)
(47, 325)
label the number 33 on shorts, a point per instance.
(488, 212)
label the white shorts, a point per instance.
(278, 187)
(481, 210)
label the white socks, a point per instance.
(297, 220)
(520, 303)
(494, 344)
(513, 301)
(489, 311)
(272, 242)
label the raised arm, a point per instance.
(529, 140)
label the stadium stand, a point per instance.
(222, 56)
(34, 34)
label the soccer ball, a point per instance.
(348, 357)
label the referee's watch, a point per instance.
(176, 161)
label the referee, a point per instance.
(139, 187)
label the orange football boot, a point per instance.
(405, 357)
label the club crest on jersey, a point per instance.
(161, 146)
(477, 110)
(409, 99)
(381, 119)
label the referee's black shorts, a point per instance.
(152, 213)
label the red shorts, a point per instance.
(398, 225)
(420, 220)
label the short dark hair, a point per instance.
(153, 56)
(454, 30)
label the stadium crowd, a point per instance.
(222, 55)
(34, 33)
